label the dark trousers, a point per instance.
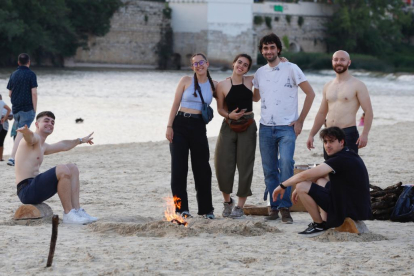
(190, 136)
(351, 136)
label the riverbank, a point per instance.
(124, 185)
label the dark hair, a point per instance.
(196, 85)
(269, 39)
(24, 59)
(245, 56)
(45, 114)
(333, 132)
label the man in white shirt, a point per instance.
(276, 84)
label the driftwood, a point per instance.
(55, 224)
(383, 200)
(351, 226)
(29, 211)
(252, 210)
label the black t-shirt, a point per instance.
(21, 83)
(349, 188)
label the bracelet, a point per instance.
(282, 186)
(169, 126)
(80, 140)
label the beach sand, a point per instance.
(124, 185)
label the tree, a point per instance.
(51, 29)
(369, 27)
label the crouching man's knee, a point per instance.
(303, 187)
(73, 168)
(63, 172)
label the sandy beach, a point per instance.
(124, 185)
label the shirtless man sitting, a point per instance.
(34, 187)
(341, 100)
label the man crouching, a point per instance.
(345, 193)
(34, 187)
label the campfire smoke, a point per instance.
(171, 204)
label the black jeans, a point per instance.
(190, 135)
(351, 136)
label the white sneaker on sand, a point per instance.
(82, 213)
(73, 218)
(10, 162)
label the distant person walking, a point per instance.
(276, 84)
(4, 124)
(236, 143)
(22, 88)
(187, 132)
(341, 99)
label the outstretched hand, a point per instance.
(278, 191)
(88, 139)
(23, 129)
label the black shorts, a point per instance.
(321, 195)
(38, 189)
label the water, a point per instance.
(123, 106)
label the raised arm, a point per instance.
(66, 145)
(310, 96)
(365, 102)
(319, 119)
(175, 106)
(30, 137)
(34, 98)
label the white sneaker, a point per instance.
(82, 213)
(73, 218)
(10, 162)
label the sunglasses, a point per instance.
(197, 63)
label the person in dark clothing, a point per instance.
(22, 88)
(344, 193)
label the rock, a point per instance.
(351, 226)
(29, 211)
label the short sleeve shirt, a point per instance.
(349, 188)
(3, 112)
(21, 83)
(278, 88)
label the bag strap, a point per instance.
(201, 96)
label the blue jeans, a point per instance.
(23, 118)
(277, 141)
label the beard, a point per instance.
(271, 59)
(340, 71)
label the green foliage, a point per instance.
(258, 20)
(288, 18)
(369, 27)
(301, 20)
(51, 28)
(286, 42)
(167, 11)
(268, 21)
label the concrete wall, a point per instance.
(131, 40)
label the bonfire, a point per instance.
(170, 215)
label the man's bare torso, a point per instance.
(28, 160)
(343, 102)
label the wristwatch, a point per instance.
(80, 140)
(282, 186)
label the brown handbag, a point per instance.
(240, 125)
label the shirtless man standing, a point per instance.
(34, 187)
(341, 100)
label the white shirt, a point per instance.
(278, 88)
(3, 112)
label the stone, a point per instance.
(29, 211)
(351, 226)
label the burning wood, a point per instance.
(170, 215)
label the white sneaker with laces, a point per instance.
(73, 218)
(82, 213)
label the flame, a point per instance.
(171, 204)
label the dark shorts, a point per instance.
(351, 136)
(321, 195)
(3, 134)
(38, 189)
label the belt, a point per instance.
(189, 115)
